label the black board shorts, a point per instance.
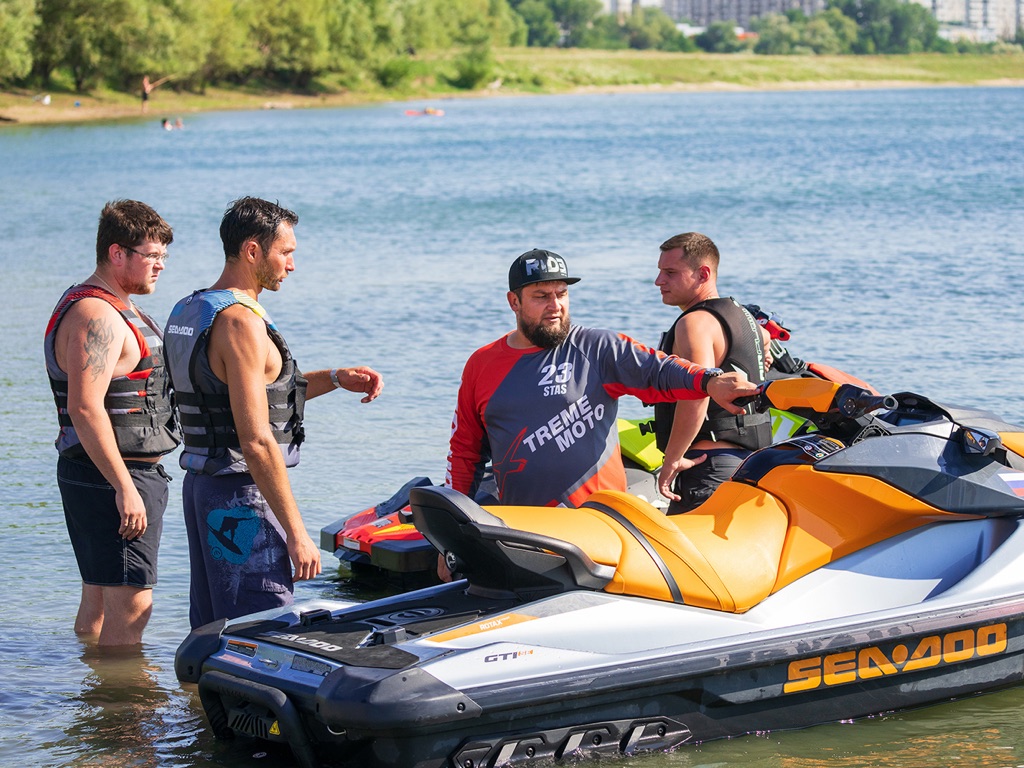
(90, 511)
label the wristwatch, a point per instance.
(709, 374)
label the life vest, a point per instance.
(140, 404)
(746, 355)
(208, 428)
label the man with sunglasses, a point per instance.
(104, 358)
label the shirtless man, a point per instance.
(105, 363)
(240, 396)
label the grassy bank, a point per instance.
(530, 70)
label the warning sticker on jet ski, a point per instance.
(1015, 480)
(873, 661)
(487, 625)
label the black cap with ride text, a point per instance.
(538, 266)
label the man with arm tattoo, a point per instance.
(104, 358)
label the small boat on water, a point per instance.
(426, 112)
(872, 565)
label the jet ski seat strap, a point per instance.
(725, 555)
(670, 580)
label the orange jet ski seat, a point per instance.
(724, 555)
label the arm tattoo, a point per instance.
(98, 338)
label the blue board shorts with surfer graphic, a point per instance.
(237, 549)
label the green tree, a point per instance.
(890, 26)
(843, 26)
(291, 37)
(776, 34)
(719, 37)
(90, 38)
(441, 24)
(575, 17)
(230, 49)
(367, 35)
(18, 20)
(542, 31)
(650, 28)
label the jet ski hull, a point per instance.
(767, 680)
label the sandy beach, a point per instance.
(546, 71)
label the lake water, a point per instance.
(885, 227)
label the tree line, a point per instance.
(293, 42)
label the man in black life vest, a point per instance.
(104, 359)
(703, 443)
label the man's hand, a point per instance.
(132, 510)
(668, 473)
(727, 387)
(361, 379)
(305, 557)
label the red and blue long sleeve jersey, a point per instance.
(546, 418)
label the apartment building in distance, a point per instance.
(981, 20)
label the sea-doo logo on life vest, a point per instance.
(873, 662)
(568, 426)
(181, 330)
(507, 656)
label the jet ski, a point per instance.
(873, 565)
(382, 537)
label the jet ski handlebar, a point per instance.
(821, 401)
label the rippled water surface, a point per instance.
(885, 227)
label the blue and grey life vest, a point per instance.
(139, 404)
(208, 428)
(746, 355)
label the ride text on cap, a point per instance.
(538, 266)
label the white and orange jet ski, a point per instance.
(873, 565)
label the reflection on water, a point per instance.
(120, 703)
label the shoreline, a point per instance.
(63, 111)
(534, 72)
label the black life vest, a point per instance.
(746, 355)
(140, 404)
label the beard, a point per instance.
(266, 277)
(545, 336)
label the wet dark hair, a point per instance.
(129, 223)
(251, 218)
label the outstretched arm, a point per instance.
(357, 379)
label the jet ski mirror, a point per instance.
(980, 442)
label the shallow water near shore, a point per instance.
(884, 227)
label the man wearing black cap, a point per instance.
(540, 403)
